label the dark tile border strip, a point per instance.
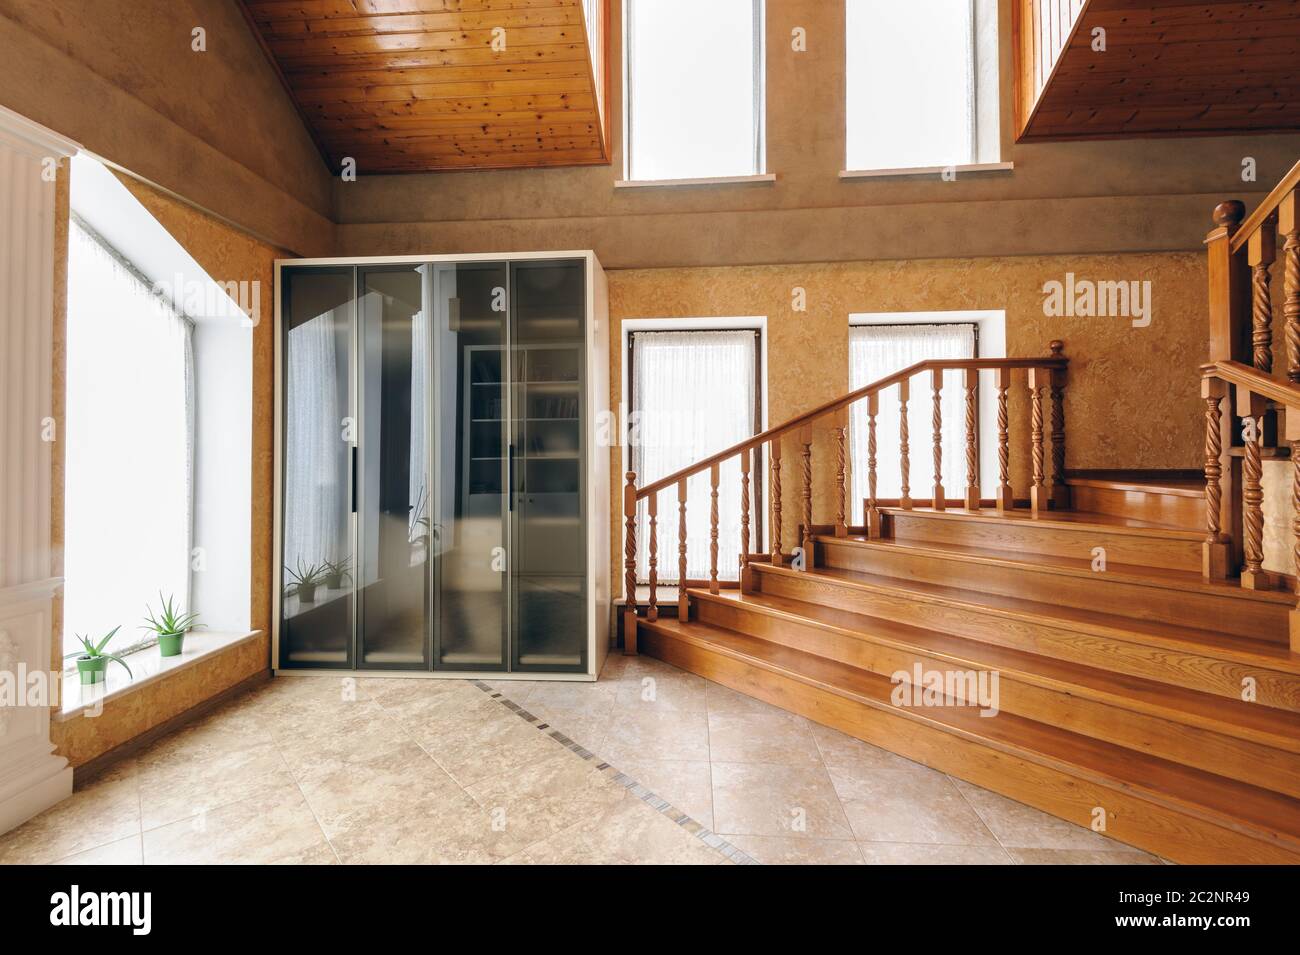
(660, 805)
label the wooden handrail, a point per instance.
(1255, 221)
(830, 407)
(1247, 378)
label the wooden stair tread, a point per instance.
(1240, 649)
(1072, 520)
(1076, 567)
(1173, 486)
(1225, 802)
(1267, 725)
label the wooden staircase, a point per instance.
(1119, 692)
(1109, 648)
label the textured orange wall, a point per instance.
(1132, 394)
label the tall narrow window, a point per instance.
(694, 88)
(693, 394)
(877, 351)
(919, 91)
(128, 483)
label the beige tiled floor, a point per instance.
(319, 770)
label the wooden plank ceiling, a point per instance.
(416, 85)
(1174, 67)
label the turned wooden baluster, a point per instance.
(1261, 249)
(1005, 499)
(904, 459)
(870, 512)
(1250, 408)
(936, 423)
(652, 509)
(629, 563)
(841, 427)
(805, 439)
(1288, 221)
(744, 520)
(683, 601)
(1214, 552)
(1037, 496)
(1060, 490)
(775, 454)
(972, 383)
(713, 529)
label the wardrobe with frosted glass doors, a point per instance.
(442, 487)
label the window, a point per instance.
(877, 351)
(921, 83)
(694, 393)
(694, 95)
(129, 445)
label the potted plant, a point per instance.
(92, 661)
(306, 579)
(333, 573)
(170, 624)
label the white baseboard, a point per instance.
(38, 794)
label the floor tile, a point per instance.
(655, 734)
(273, 827)
(496, 742)
(128, 851)
(754, 738)
(1082, 857)
(792, 850)
(179, 787)
(677, 691)
(685, 783)
(1019, 826)
(630, 833)
(890, 805)
(902, 853)
(102, 812)
(766, 799)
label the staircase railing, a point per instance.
(1265, 412)
(1044, 379)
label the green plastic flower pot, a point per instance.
(92, 669)
(306, 593)
(171, 644)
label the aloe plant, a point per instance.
(93, 651)
(306, 578)
(169, 619)
(334, 572)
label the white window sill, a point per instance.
(147, 666)
(926, 172)
(765, 179)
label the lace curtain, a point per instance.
(877, 351)
(693, 395)
(130, 435)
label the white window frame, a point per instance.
(760, 173)
(982, 99)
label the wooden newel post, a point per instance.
(1229, 280)
(1060, 490)
(1214, 552)
(629, 564)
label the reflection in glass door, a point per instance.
(547, 529)
(472, 466)
(392, 572)
(317, 530)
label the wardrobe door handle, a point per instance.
(352, 491)
(510, 476)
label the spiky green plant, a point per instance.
(169, 619)
(93, 650)
(334, 572)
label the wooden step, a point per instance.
(1176, 499)
(1179, 656)
(1184, 814)
(1143, 593)
(1056, 533)
(1245, 741)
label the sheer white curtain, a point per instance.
(313, 442)
(129, 472)
(877, 351)
(693, 395)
